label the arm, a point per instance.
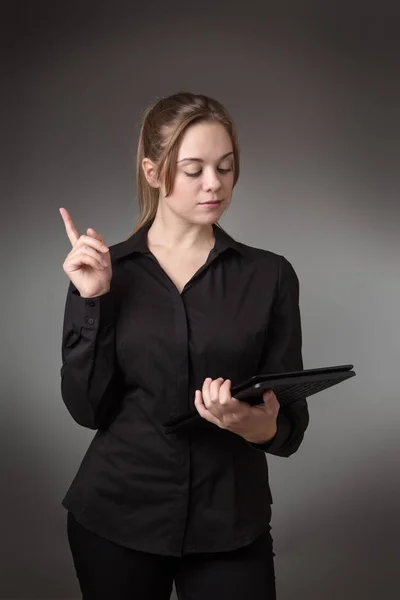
(284, 353)
(90, 383)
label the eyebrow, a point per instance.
(201, 160)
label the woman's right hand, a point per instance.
(88, 265)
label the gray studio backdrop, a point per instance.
(315, 102)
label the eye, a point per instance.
(193, 174)
(198, 173)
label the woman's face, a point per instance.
(204, 173)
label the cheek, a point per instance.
(227, 181)
(227, 186)
(185, 186)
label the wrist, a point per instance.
(265, 437)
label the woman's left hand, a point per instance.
(255, 424)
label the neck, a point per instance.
(175, 234)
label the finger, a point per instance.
(267, 396)
(214, 390)
(93, 243)
(270, 398)
(271, 403)
(70, 228)
(76, 264)
(203, 411)
(94, 234)
(78, 259)
(225, 397)
(205, 391)
(210, 394)
(234, 408)
(100, 258)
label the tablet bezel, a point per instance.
(257, 379)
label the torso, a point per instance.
(180, 269)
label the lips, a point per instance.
(212, 202)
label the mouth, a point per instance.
(211, 203)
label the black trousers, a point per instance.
(107, 571)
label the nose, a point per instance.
(212, 181)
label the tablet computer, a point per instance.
(288, 387)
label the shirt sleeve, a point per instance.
(90, 381)
(284, 353)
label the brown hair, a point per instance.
(163, 126)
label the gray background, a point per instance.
(315, 98)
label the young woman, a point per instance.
(162, 322)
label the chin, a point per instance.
(212, 217)
(205, 220)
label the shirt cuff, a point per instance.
(92, 313)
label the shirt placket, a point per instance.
(182, 476)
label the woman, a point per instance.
(166, 320)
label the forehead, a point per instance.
(205, 140)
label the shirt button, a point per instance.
(89, 320)
(91, 302)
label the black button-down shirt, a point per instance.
(133, 358)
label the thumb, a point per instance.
(267, 396)
(93, 233)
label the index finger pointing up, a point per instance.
(70, 228)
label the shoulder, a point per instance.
(268, 260)
(270, 267)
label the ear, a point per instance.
(149, 170)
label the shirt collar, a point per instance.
(137, 243)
